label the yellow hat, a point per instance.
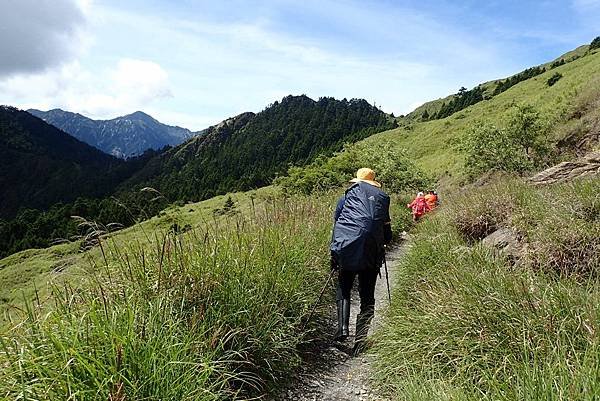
(366, 175)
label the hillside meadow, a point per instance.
(471, 323)
(23, 273)
(432, 145)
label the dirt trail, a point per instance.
(335, 375)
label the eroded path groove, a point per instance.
(335, 375)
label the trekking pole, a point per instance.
(387, 277)
(314, 308)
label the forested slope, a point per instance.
(249, 150)
(41, 165)
(243, 152)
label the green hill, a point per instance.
(432, 144)
(206, 300)
(249, 150)
(41, 165)
(430, 110)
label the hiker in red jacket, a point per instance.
(419, 206)
(432, 199)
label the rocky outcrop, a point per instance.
(586, 166)
(506, 241)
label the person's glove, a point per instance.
(334, 264)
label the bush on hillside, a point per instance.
(595, 43)
(554, 79)
(519, 146)
(572, 246)
(509, 82)
(570, 250)
(482, 213)
(393, 169)
(461, 100)
(558, 63)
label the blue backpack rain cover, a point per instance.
(359, 233)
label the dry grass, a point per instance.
(476, 214)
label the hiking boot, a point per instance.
(343, 313)
(363, 320)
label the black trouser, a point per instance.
(366, 286)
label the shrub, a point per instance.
(480, 213)
(595, 43)
(572, 247)
(229, 207)
(569, 250)
(393, 168)
(554, 79)
(519, 146)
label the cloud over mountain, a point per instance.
(36, 35)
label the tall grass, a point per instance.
(468, 324)
(213, 313)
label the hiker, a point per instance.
(361, 228)
(431, 199)
(419, 206)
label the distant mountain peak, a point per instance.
(123, 137)
(138, 115)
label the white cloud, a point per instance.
(131, 85)
(236, 67)
(128, 86)
(37, 35)
(217, 69)
(146, 78)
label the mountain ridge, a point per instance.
(249, 150)
(124, 136)
(245, 151)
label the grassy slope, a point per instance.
(434, 106)
(197, 316)
(468, 324)
(431, 143)
(23, 272)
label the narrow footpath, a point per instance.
(335, 375)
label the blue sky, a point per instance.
(195, 63)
